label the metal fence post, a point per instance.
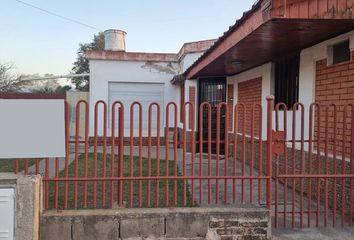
(270, 103)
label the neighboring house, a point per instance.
(144, 77)
(300, 52)
(73, 98)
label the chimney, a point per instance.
(114, 40)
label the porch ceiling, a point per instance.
(273, 39)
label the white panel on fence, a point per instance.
(32, 128)
(7, 216)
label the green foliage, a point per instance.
(81, 65)
(104, 187)
(62, 89)
(58, 89)
(8, 165)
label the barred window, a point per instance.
(286, 87)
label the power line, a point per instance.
(56, 77)
(58, 15)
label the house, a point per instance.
(297, 50)
(300, 52)
(133, 76)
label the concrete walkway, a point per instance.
(329, 233)
(222, 185)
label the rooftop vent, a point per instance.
(114, 40)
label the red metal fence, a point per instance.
(301, 168)
(314, 174)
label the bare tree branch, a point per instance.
(8, 82)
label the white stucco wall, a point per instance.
(102, 72)
(188, 59)
(185, 62)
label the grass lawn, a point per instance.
(8, 165)
(126, 193)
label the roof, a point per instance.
(131, 56)
(190, 47)
(226, 33)
(178, 79)
(263, 34)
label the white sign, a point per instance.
(32, 128)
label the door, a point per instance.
(145, 93)
(213, 91)
(7, 216)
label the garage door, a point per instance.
(145, 93)
(7, 210)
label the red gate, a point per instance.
(314, 168)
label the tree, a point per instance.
(81, 65)
(59, 89)
(62, 89)
(8, 82)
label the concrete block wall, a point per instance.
(162, 223)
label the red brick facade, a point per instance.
(249, 93)
(230, 104)
(192, 100)
(334, 85)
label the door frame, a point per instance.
(199, 102)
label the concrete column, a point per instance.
(28, 204)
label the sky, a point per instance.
(37, 43)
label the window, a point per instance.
(340, 52)
(286, 87)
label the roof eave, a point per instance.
(130, 56)
(250, 20)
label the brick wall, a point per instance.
(249, 93)
(239, 228)
(230, 104)
(334, 85)
(192, 100)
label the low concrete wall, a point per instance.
(161, 223)
(28, 204)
